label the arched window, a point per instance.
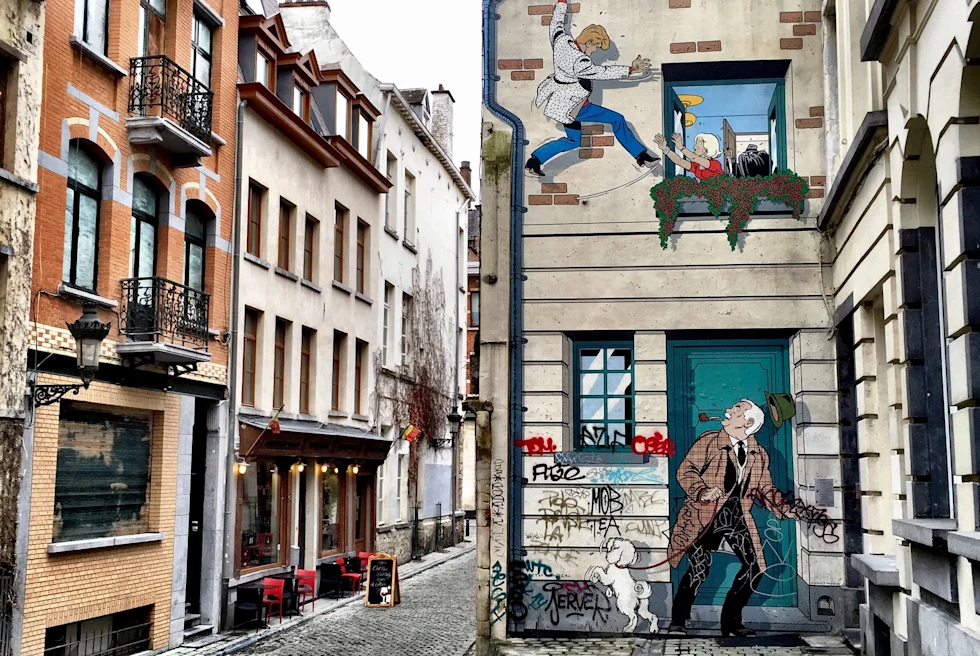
(194, 246)
(80, 265)
(143, 234)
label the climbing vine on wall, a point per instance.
(740, 196)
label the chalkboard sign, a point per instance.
(382, 582)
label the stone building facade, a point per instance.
(636, 349)
(901, 219)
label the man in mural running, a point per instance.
(723, 474)
(565, 93)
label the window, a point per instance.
(201, 51)
(305, 370)
(332, 510)
(390, 218)
(194, 248)
(143, 229)
(341, 118)
(339, 241)
(361, 261)
(263, 507)
(285, 224)
(249, 356)
(152, 22)
(398, 486)
(337, 377)
(386, 326)
(603, 396)
(256, 195)
(279, 367)
(103, 474)
(301, 104)
(406, 318)
(309, 248)
(91, 21)
(263, 70)
(359, 349)
(127, 632)
(738, 125)
(363, 135)
(80, 265)
(474, 308)
(409, 208)
(381, 492)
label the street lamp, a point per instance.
(89, 333)
(455, 420)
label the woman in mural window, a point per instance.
(702, 162)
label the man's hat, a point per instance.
(781, 407)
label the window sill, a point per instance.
(216, 139)
(342, 287)
(966, 544)
(97, 57)
(287, 274)
(257, 573)
(357, 417)
(410, 246)
(392, 233)
(103, 543)
(337, 414)
(67, 291)
(397, 526)
(879, 570)
(311, 285)
(361, 297)
(258, 261)
(15, 179)
(927, 532)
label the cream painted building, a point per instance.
(620, 338)
(901, 220)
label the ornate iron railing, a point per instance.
(160, 310)
(159, 87)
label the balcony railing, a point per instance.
(159, 87)
(163, 311)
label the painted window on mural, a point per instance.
(603, 396)
(330, 533)
(261, 506)
(103, 474)
(732, 127)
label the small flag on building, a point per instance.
(274, 423)
(410, 433)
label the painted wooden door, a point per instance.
(706, 378)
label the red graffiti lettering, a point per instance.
(655, 445)
(537, 445)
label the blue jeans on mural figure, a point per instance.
(591, 114)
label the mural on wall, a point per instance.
(632, 596)
(564, 95)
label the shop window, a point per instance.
(332, 510)
(309, 248)
(91, 24)
(143, 230)
(381, 493)
(306, 370)
(603, 396)
(734, 122)
(402, 476)
(285, 232)
(337, 389)
(103, 474)
(279, 367)
(250, 356)
(263, 492)
(362, 256)
(339, 241)
(201, 50)
(253, 240)
(80, 265)
(119, 634)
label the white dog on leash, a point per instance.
(632, 596)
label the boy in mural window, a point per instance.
(702, 162)
(723, 474)
(565, 93)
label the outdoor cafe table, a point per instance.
(253, 592)
(290, 603)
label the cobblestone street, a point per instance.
(825, 645)
(436, 617)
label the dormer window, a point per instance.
(301, 103)
(342, 125)
(363, 136)
(263, 70)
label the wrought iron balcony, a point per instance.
(166, 322)
(168, 107)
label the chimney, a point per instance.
(441, 125)
(466, 172)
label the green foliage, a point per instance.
(741, 195)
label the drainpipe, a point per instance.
(231, 481)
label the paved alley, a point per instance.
(785, 645)
(436, 616)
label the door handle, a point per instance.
(195, 525)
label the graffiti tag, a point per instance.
(566, 602)
(519, 579)
(555, 473)
(655, 445)
(537, 446)
(498, 593)
(815, 519)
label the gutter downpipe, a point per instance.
(231, 482)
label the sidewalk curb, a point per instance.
(248, 641)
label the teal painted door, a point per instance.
(707, 377)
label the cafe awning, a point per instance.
(299, 438)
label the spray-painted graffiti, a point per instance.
(537, 445)
(632, 596)
(517, 586)
(815, 519)
(575, 600)
(620, 475)
(577, 458)
(555, 473)
(497, 505)
(656, 444)
(498, 593)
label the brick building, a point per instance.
(134, 218)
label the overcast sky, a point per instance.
(423, 43)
